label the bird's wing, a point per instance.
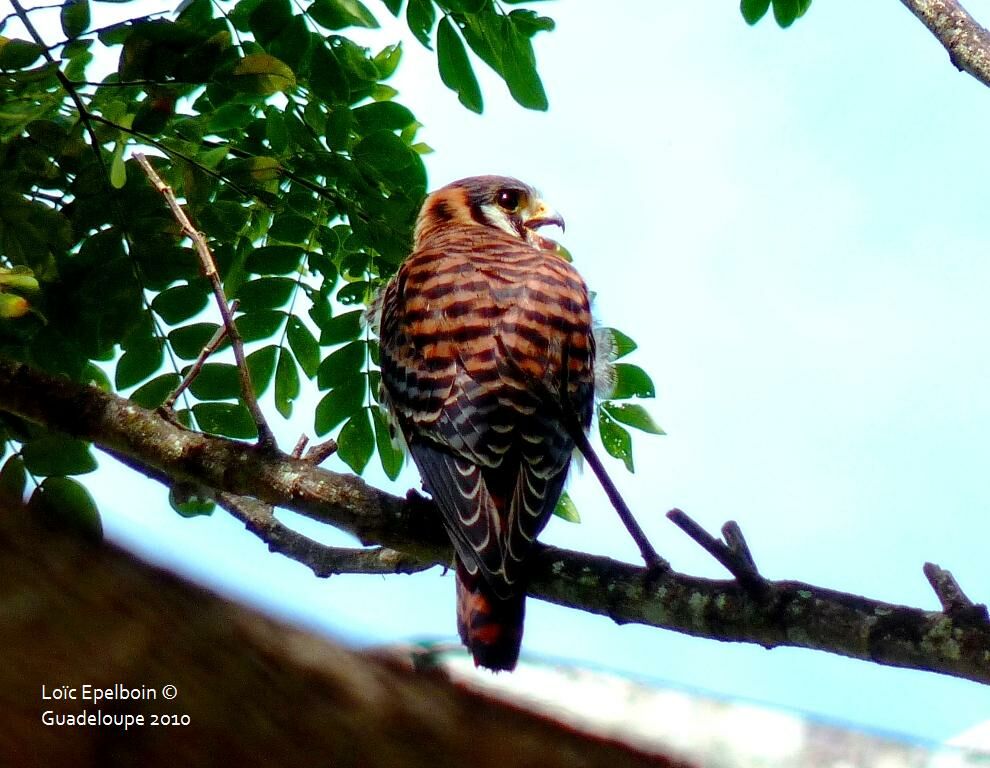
(490, 532)
(474, 344)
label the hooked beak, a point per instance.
(541, 215)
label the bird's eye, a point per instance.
(508, 199)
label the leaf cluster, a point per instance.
(289, 151)
(785, 12)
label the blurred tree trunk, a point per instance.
(255, 692)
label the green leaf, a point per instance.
(266, 293)
(327, 78)
(261, 367)
(616, 440)
(341, 328)
(13, 480)
(622, 344)
(420, 16)
(353, 293)
(276, 131)
(286, 383)
(485, 31)
(153, 394)
(189, 340)
(529, 22)
(118, 168)
(263, 74)
(387, 60)
(631, 381)
(75, 17)
(295, 43)
(291, 228)
(259, 325)
(188, 504)
(231, 116)
(519, 68)
(19, 279)
(179, 303)
(385, 156)
(566, 509)
(18, 54)
(94, 375)
(138, 363)
(337, 14)
(384, 151)
(356, 441)
(256, 171)
(455, 68)
(356, 60)
(635, 416)
(340, 123)
(228, 419)
(58, 455)
(344, 365)
(275, 259)
(267, 19)
(382, 115)
(64, 504)
(339, 404)
(224, 219)
(304, 346)
(216, 381)
(785, 12)
(754, 10)
(392, 457)
(12, 307)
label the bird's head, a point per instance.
(489, 201)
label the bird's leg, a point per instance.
(654, 563)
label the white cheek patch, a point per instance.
(498, 218)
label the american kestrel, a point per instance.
(487, 360)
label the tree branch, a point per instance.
(323, 560)
(209, 270)
(790, 613)
(967, 42)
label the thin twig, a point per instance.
(174, 153)
(97, 31)
(735, 556)
(85, 116)
(320, 452)
(954, 601)
(208, 349)
(131, 83)
(733, 536)
(265, 437)
(300, 446)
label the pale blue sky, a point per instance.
(793, 226)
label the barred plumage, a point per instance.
(487, 353)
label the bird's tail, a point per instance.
(491, 627)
